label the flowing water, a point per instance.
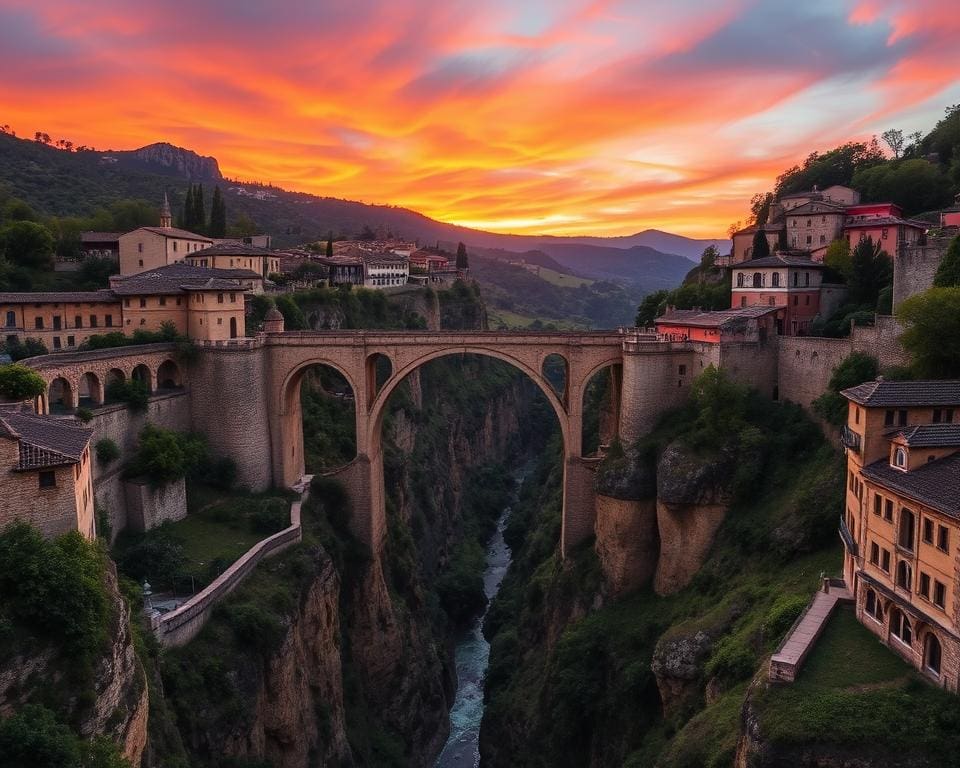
(462, 749)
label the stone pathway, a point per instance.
(785, 663)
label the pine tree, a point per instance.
(218, 215)
(462, 260)
(330, 245)
(186, 218)
(948, 273)
(199, 214)
(761, 247)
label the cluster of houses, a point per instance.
(198, 283)
(783, 293)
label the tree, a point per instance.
(17, 210)
(244, 226)
(199, 212)
(708, 258)
(164, 455)
(944, 139)
(834, 167)
(27, 244)
(186, 217)
(760, 208)
(854, 369)
(838, 258)
(462, 259)
(651, 307)
(931, 335)
(761, 247)
(870, 272)
(915, 185)
(893, 139)
(330, 245)
(218, 215)
(948, 273)
(18, 382)
(293, 318)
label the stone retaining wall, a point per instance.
(180, 626)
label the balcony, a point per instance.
(847, 538)
(849, 439)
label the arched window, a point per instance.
(904, 575)
(907, 527)
(739, 279)
(872, 605)
(900, 627)
(932, 654)
(775, 281)
(757, 280)
(900, 458)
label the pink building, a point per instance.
(884, 223)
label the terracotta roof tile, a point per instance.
(44, 441)
(906, 394)
(935, 484)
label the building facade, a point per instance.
(901, 523)
(61, 320)
(237, 256)
(790, 283)
(383, 270)
(45, 473)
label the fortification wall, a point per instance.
(119, 424)
(656, 377)
(914, 268)
(805, 363)
(753, 364)
(229, 406)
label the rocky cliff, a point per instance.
(107, 699)
(183, 162)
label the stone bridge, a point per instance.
(245, 396)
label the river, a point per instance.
(462, 749)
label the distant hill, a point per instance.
(63, 183)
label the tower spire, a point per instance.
(166, 219)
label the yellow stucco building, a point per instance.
(901, 525)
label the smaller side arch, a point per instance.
(169, 375)
(91, 390)
(60, 396)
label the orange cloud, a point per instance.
(572, 117)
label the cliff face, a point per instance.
(112, 702)
(183, 162)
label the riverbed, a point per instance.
(462, 749)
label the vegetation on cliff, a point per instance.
(577, 678)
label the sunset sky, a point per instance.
(559, 116)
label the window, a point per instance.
(163, 301)
(233, 298)
(219, 298)
(809, 239)
(904, 574)
(739, 279)
(901, 418)
(807, 300)
(757, 280)
(888, 510)
(143, 321)
(11, 319)
(856, 414)
(796, 279)
(877, 504)
(126, 302)
(772, 302)
(924, 588)
(900, 627)
(57, 322)
(888, 419)
(932, 654)
(907, 525)
(927, 530)
(900, 458)
(71, 341)
(93, 321)
(48, 479)
(885, 560)
(823, 239)
(939, 594)
(178, 301)
(108, 321)
(943, 538)
(884, 233)
(56, 342)
(78, 321)
(174, 246)
(743, 301)
(141, 262)
(140, 250)
(219, 321)
(874, 553)
(38, 322)
(682, 370)
(872, 605)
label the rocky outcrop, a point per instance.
(693, 494)
(183, 162)
(627, 542)
(117, 706)
(298, 715)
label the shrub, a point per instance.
(134, 393)
(782, 614)
(18, 382)
(18, 350)
(106, 450)
(732, 660)
(220, 472)
(855, 368)
(84, 414)
(164, 455)
(273, 515)
(154, 555)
